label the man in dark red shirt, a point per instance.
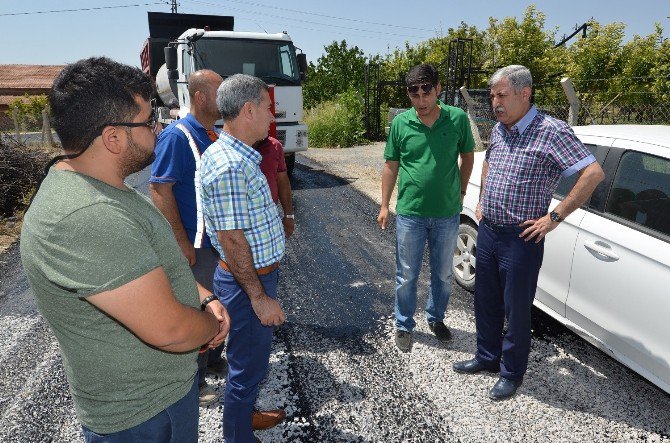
(273, 167)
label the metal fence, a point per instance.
(606, 108)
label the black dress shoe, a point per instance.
(504, 388)
(470, 367)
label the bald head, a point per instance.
(203, 81)
(202, 86)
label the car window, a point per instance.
(566, 183)
(641, 191)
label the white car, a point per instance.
(606, 268)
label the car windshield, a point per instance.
(273, 61)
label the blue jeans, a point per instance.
(178, 423)
(411, 234)
(507, 272)
(248, 353)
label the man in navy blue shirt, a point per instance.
(175, 190)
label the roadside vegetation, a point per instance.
(602, 67)
(21, 167)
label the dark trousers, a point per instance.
(248, 353)
(178, 423)
(507, 271)
(206, 261)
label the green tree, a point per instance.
(527, 43)
(341, 68)
(29, 110)
(661, 72)
(639, 58)
(596, 57)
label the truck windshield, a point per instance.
(273, 61)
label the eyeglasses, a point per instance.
(425, 87)
(152, 124)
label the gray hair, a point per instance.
(237, 90)
(518, 76)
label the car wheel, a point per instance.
(290, 164)
(465, 260)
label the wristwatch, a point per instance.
(555, 217)
(207, 301)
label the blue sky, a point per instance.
(375, 26)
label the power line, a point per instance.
(81, 9)
(327, 16)
(310, 22)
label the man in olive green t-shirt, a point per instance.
(106, 270)
(423, 148)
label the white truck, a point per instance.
(209, 42)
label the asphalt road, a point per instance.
(334, 366)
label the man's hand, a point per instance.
(268, 310)
(188, 250)
(382, 218)
(289, 226)
(538, 228)
(478, 212)
(215, 307)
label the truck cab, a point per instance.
(271, 57)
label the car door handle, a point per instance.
(601, 249)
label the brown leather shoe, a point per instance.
(267, 419)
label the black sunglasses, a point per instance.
(425, 87)
(152, 124)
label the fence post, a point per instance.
(47, 136)
(479, 146)
(570, 93)
(15, 115)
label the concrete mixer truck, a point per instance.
(180, 44)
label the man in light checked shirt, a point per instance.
(529, 152)
(249, 237)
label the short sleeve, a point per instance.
(392, 150)
(281, 161)
(566, 150)
(226, 202)
(98, 248)
(467, 142)
(168, 166)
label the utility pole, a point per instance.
(174, 6)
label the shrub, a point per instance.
(337, 123)
(29, 111)
(20, 168)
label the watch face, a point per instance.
(554, 216)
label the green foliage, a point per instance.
(29, 111)
(341, 68)
(337, 123)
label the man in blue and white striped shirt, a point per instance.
(529, 152)
(249, 237)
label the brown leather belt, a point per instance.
(261, 271)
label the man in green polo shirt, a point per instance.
(423, 146)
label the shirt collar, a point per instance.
(522, 124)
(195, 124)
(242, 148)
(415, 118)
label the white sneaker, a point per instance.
(208, 396)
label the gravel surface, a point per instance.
(334, 366)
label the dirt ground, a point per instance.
(360, 165)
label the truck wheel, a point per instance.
(465, 256)
(290, 163)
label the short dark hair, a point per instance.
(423, 73)
(92, 92)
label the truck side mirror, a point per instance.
(302, 64)
(170, 58)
